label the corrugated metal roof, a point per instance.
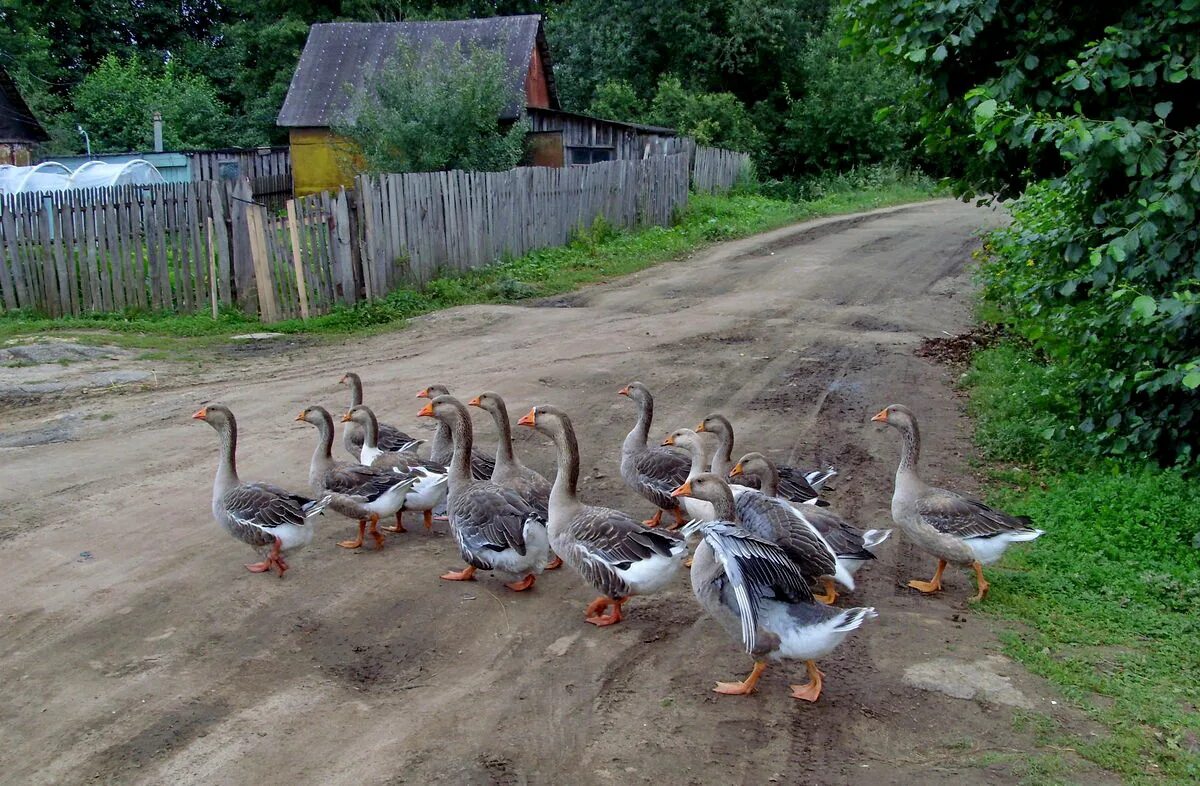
(342, 54)
(17, 123)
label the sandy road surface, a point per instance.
(135, 648)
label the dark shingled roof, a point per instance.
(17, 123)
(344, 53)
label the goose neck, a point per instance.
(462, 439)
(641, 430)
(227, 476)
(566, 479)
(504, 447)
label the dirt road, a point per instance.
(136, 649)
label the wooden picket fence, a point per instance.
(192, 247)
(716, 171)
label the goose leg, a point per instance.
(554, 564)
(260, 567)
(934, 584)
(523, 584)
(357, 542)
(428, 519)
(811, 690)
(466, 574)
(399, 525)
(375, 533)
(980, 582)
(680, 519)
(604, 620)
(653, 522)
(830, 594)
(746, 686)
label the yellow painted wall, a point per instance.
(319, 161)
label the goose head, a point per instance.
(489, 402)
(710, 488)
(215, 415)
(684, 438)
(444, 407)
(360, 414)
(898, 416)
(543, 418)
(433, 391)
(715, 423)
(754, 465)
(638, 392)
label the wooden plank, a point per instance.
(10, 265)
(49, 277)
(99, 299)
(213, 296)
(152, 223)
(64, 256)
(242, 267)
(219, 240)
(340, 247)
(262, 271)
(294, 234)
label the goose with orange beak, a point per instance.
(760, 596)
(389, 439)
(651, 471)
(429, 478)
(953, 527)
(495, 528)
(269, 518)
(615, 554)
(442, 446)
(794, 485)
(357, 491)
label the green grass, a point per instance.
(1111, 594)
(597, 255)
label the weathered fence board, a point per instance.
(716, 171)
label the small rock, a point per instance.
(256, 336)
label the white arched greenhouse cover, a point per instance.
(98, 174)
(46, 176)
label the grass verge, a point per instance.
(1111, 593)
(596, 255)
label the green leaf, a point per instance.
(1144, 306)
(1192, 380)
(1031, 62)
(1080, 82)
(1163, 108)
(916, 55)
(985, 111)
(939, 54)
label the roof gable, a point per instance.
(17, 123)
(345, 53)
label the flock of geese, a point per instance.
(769, 553)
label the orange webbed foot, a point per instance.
(554, 564)
(466, 574)
(523, 584)
(811, 690)
(259, 567)
(654, 521)
(746, 686)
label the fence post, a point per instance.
(212, 268)
(242, 262)
(294, 235)
(343, 256)
(256, 227)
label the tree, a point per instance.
(715, 119)
(850, 110)
(434, 111)
(1090, 112)
(115, 103)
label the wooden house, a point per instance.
(19, 129)
(339, 58)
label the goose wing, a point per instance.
(794, 485)
(359, 481)
(489, 517)
(661, 471)
(755, 569)
(964, 517)
(482, 465)
(844, 538)
(606, 541)
(392, 438)
(777, 522)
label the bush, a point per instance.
(115, 104)
(714, 119)
(424, 113)
(851, 111)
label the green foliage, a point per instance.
(1089, 110)
(617, 100)
(1109, 594)
(115, 104)
(433, 111)
(714, 119)
(851, 110)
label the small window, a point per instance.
(228, 169)
(590, 155)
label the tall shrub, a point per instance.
(1089, 111)
(433, 111)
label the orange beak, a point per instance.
(424, 393)
(426, 411)
(700, 428)
(301, 416)
(529, 418)
(737, 470)
(202, 414)
(342, 381)
(881, 417)
(623, 391)
(473, 402)
(346, 418)
(670, 440)
(683, 491)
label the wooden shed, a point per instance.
(338, 59)
(19, 129)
